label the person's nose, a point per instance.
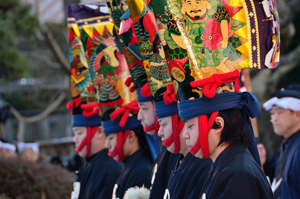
(140, 115)
(186, 134)
(160, 132)
(107, 145)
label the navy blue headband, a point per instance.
(140, 98)
(189, 109)
(112, 126)
(163, 110)
(79, 120)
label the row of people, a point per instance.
(26, 151)
(137, 74)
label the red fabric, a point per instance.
(169, 95)
(211, 84)
(150, 25)
(124, 112)
(145, 90)
(118, 150)
(176, 128)
(179, 63)
(88, 109)
(204, 128)
(87, 141)
(128, 82)
(149, 128)
(111, 104)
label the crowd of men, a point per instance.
(137, 75)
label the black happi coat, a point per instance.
(97, 179)
(161, 171)
(235, 174)
(137, 168)
(285, 166)
(188, 179)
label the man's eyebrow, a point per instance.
(141, 104)
(159, 120)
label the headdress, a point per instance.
(118, 106)
(245, 35)
(288, 98)
(83, 35)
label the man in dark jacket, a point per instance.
(284, 165)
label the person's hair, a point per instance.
(139, 132)
(235, 127)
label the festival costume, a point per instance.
(97, 178)
(118, 107)
(284, 164)
(205, 76)
(188, 177)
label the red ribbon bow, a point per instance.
(211, 84)
(124, 111)
(88, 109)
(169, 95)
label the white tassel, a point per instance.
(137, 193)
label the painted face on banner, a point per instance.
(146, 115)
(79, 135)
(111, 143)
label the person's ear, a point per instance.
(208, 5)
(99, 133)
(220, 122)
(297, 115)
(131, 136)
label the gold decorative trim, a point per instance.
(250, 31)
(257, 35)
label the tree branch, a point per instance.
(58, 52)
(27, 120)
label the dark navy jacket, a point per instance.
(161, 171)
(235, 174)
(137, 168)
(287, 167)
(188, 179)
(97, 179)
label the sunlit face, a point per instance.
(146, 115)
(283, 121)
(111, 143)
(166, 131)
(29, 154)
(191, 134)
(195, 8)
(79, 135)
